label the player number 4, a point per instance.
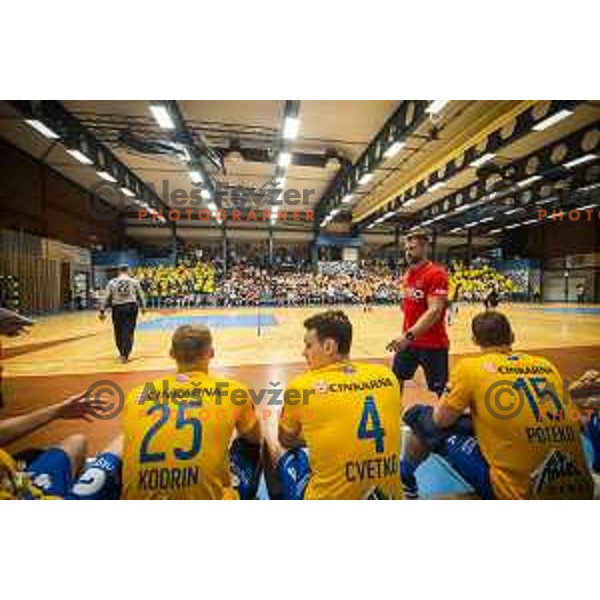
(370, 427)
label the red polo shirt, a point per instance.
(419, 284)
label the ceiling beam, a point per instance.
(74, 136)
(408, 116)
(442, 167)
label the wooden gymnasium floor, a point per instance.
(64, 354)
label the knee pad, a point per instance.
(293, 471)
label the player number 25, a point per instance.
(182, 422)
(370, 427)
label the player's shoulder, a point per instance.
(435, 268)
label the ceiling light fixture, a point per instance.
(43, 129)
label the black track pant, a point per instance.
(124, 317)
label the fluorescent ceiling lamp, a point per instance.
(80, 156)
(588, 207)
(273, 210)
(284, 159)
(553, 120)
(530, 222)
(389, 214)
(513, 226)
(347, 198)
(212, 206)
(462, 208)
(365, 178)
(371, 226)
(529, 181)
(107, 176)
(492, 231)
(486, 220)
(394, 149)
(436, 106)
(204, 193)
(589, 187)
(581, 160)
(196, 177)
(41, 128)
(455, 230)
(162, 116)
(546, 200)
(291, 125)
(472, 224)
(127, 192)
(482, 159)
(409, 203)
(512, 211)
(436, 186)
(428, 222)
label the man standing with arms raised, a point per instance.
(122, 294)
(424, 341)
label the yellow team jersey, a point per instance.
(352, 428)
(528, 432)
(15, 484)
(177, 436)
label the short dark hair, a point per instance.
(190, 342)
(333, 324)
(422, 236)
(492, 328)
(123, 268)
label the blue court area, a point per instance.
(222, 321)
(569, 310)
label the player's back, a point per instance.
(528, 431)
(351, 425)
(177, 437)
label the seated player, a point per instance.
(526, 444)
(340, 431)
(60, 471)
(54, 472)
(178, 430)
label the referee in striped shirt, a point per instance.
(123, 294)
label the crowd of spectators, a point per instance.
(475, 283)
(247, 281)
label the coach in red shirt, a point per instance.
(424, 341)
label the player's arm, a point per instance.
(585, 391)
(432, 315)
(247, 426)
(140, 294)
(290, 429)
(456, 401)
(107, 300)
(74, 407)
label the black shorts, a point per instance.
(433, 360)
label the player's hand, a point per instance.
(79, 406)
(102, 316)
(585, 391)
(398, 344)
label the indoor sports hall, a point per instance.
(251, 216)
